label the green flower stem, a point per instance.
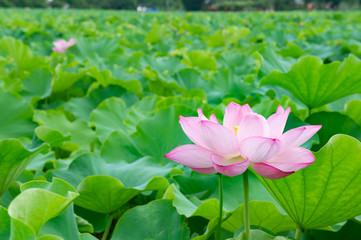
(219, 227)
(246, 232)
(107, 227)
(298, 232)
(92, 147)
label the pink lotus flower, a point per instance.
(61, 45)
(245, 138)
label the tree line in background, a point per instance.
(193, 5)
(84, 4)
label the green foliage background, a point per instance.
(189, 5)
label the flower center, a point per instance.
(235, 129)
(235, 159)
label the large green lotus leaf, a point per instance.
(53, 137)
(20, 54)
(119, 147)
(7, 196)
(147, 104)
(193, 206)
(158, 220)
(16, 116)
(66, 219)
(201, 59)
(82, 107)
(141, 110)
(90, 50)
(192, 102)
(325, 52)
(226, 84)
(323, 194)
(87, 236)
(277, 32)
(105, 78)
(14, 158)
(353, 110)
(21, 231)
(138, 174)
(160, 84)
(157, 33)
(238, 63)
(291, 50)
(124, 181)
(49, 237)
(126, 60)
(354, 46)
(97, 220)
(65, 80)
(79, 131)
(81, 167)
(5, 222)
(58, 186)
(211, 228)
(315, 83)
(162, 65)
(38, 83)
(109, 116)
(14, 189)
(262, 214)
(227, 36)
(268, 106)
(103, 194)
(194, 29)
(190, 78)
(196, 184)
(35, 206)
(39, 160)
(143, 174)
(333, 123)
(158, 135)
(269, 61)
(84, 225)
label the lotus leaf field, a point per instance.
(83, 133)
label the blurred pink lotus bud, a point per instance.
(309, 6)
(61, 45)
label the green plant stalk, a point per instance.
(92, 147)
(107, 227)
(219, 226)
(246, 232)
(298, 232)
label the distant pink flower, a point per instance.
(246, 138)
(309, 6)
(61, 45)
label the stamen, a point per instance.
(235, 129)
